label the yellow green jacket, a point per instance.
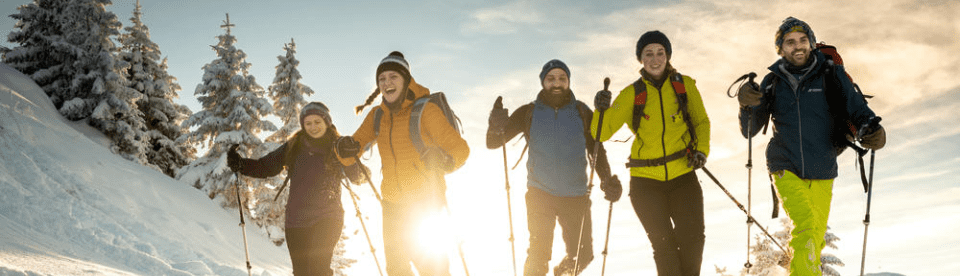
(662, 132)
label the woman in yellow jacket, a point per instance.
(666, 113)
(413, 183)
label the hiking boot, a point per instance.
(565, 268)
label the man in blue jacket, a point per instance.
(801, 95)
(557, 128)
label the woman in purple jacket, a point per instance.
(314, 215)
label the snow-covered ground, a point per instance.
(70, 207)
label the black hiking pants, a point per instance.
(672, 214)
(311, 248)
(543, 212)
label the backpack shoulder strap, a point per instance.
(677, 81)
(769, 90)
(415, 116)
(639, 102)
(377, 116)
(585, 114)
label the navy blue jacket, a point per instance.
(802, 123)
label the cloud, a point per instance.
(505, 19)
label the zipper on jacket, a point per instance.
(392, 151)
(556, 126)
(803, 164)
(663, 134)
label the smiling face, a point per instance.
(795, 48)
(390, 84)
(654, 59)
(556, 81)
(314, 125)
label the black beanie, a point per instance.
(553, 64)
(316, 108)
(394, 62)
(654, 37)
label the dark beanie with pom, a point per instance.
(394, 62)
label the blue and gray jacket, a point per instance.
(802, 123)
(557, 135)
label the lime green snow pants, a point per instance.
(807, 203)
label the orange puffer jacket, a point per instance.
(405, 177)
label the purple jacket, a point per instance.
(315, 174)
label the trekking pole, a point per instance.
(243, 224)
(749, 81)
(506, 181)
(748, 265)
(749, 165)
(705, 170)
(373, 251)
(369, 180)
(593, 168)
(866, 218)
(606, 241)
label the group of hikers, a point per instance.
(664, 111)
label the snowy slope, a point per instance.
(70, 207)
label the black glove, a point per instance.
(874, 138)
(436, 159)
(696, 159)
(357, 173)
(602, 100)
(233, 159)
(611, 189)
(498, 116)
(749, 95)
(347, 147)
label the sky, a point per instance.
(903, 52)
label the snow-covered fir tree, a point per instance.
(233, 110)
(769, 260)
(287, 93)
(67, 47)
(147, 74)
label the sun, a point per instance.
(436, 234)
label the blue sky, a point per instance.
(904, 52)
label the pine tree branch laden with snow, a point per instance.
(148, 76)
(287, 93)
(769, 260)
(67, 47)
